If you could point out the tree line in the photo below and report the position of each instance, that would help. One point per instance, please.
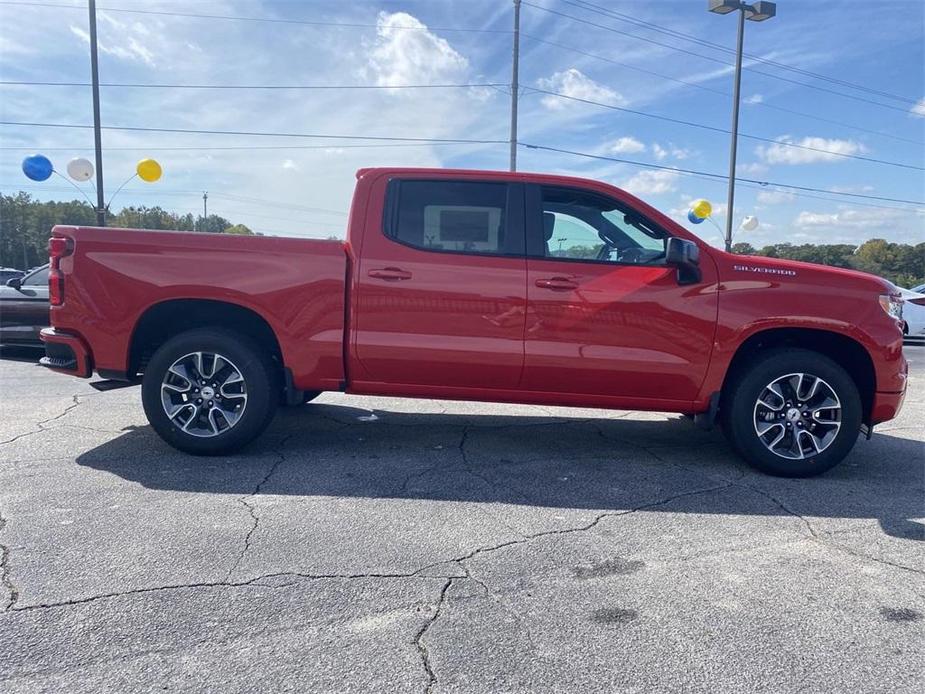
(25, 223)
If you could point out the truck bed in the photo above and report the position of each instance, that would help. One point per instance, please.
(296, 286)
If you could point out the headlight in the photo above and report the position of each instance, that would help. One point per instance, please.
(893, 305)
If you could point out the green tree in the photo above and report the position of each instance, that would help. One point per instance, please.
(239, 229)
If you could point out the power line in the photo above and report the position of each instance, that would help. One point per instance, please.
(158, 148)
(138, 85)
(270, 20)
(703, 126)
(711, 58)
(619, 16)
(249, 133)
(718, 92)
(707, 174)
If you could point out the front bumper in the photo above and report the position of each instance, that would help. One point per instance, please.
(66, 353)
(886, 406)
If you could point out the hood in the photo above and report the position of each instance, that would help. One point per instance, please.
(754, 267)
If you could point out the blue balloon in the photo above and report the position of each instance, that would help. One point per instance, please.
(37, 167)
(693, 219)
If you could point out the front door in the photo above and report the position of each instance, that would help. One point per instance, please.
(441, 286)
(606, 315)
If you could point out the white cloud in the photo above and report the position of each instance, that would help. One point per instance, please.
(291, 165)
(857, 218)
(754, 99)
(860, 188)
(919, 109)
(782, 154)
(400, 56)
(774, 197)
(752, 168)
(670, 150)
(651, 182)
(131, 49)
(627, 145)
(574, 83)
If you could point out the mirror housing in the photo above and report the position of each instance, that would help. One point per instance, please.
(14, 282)
(685, 255)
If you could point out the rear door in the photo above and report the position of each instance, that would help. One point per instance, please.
(606, 315)
(441, 297)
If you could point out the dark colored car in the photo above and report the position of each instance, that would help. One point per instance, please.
(24, 308)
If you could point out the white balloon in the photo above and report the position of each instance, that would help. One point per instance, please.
(80, 169)
(750, 223)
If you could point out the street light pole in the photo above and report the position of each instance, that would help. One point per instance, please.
(98, 141)
(756, 12)
(730, 197)
(515, 84)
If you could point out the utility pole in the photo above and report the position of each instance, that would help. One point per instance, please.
(97, 137)
(730, 198)
(205, 205)
(515, 84)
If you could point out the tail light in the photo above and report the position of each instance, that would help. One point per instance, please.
(58, 247)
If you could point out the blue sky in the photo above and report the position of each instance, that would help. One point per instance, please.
(302, 186)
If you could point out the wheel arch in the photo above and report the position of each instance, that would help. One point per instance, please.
(165, 319)
(848, 353)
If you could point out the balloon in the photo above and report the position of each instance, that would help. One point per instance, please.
(37, 167)
(148, 170)
(80, 169)
(693, 218)
(702, 208)
(750, 223)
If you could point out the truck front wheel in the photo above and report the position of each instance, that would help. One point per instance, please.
(209, 391)
(792, 413)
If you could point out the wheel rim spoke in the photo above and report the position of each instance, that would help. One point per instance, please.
(798, 415)
(203, 394)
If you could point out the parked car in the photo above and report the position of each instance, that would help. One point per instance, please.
(8, 273)
(914, 312)
(24, 308)
(477, 285)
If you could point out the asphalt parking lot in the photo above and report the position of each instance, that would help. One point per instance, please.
(380, 545)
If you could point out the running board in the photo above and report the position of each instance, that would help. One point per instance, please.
(111, 384)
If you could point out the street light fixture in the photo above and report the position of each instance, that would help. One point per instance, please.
(756, 12)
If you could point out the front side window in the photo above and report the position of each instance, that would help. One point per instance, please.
(578, 225)
(455, 216)
(37, 278)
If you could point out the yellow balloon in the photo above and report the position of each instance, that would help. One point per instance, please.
(148, 170)
(701, 208)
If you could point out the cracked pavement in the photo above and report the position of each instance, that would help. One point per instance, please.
(378, 544)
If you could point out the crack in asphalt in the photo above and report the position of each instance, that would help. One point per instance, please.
(5, 579)
(422, 632)
(251, 507)
(41, 425)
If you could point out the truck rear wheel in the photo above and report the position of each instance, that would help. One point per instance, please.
(209, 391)
(792, 413)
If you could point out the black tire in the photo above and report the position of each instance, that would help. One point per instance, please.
(742, 416)
(260, 382)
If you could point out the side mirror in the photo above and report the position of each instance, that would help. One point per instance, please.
(14, 282)
(685, 255)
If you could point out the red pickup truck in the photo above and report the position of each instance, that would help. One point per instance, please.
(477, 285)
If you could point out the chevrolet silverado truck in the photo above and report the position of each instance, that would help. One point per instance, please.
(487, 286)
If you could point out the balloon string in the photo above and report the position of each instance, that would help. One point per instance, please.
(75, 185)
(125, 183)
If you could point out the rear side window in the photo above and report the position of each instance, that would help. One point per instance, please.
(451, 216)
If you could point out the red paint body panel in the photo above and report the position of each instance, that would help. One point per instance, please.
(422, 323)
(295, 285)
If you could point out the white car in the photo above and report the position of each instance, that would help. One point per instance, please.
(914, 311)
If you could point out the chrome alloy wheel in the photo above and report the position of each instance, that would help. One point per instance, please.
(203, 394)
(797, 416)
